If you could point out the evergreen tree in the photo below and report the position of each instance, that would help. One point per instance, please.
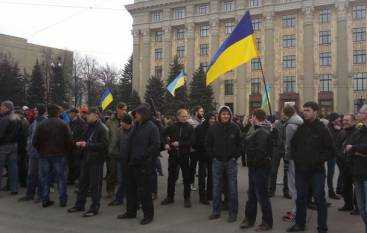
(155, 91)
(200, 94)
(133, 100)
(58, 84)
(180, 100)
(36, 92)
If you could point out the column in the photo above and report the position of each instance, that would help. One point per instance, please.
(269, 56)
(214, 44)
(190, 49)
(242, 94)
(167, 51)
(136, 61)
(145, 62)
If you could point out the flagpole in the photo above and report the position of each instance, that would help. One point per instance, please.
(266, 89)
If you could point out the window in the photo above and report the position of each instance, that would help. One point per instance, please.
(325, 16)
(254, 3)
(325, 37)
(228, 26)
(289, 84)
(360, 82)
(359, 34)
(180, 33)
(289, 41)
(180, 51)
(204, 65)
(325, 59)
(289, 61)
(228, 6)
(158, 71)
(228, 87)
(289, 21)
(255, 86)
(255, 64)
(179, 13)
(325, 83)
(359, 57)
(204, 30)
(156, 16)
(359, 12)
(256, 24)
(203, 9)
(158, 54)
(158, 36)
(258, 43)
(204, 49)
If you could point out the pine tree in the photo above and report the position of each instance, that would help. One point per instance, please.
(155, 91)
(200, 94)
(36, 92)
(133, 100)
(58, 84)
(180, 100)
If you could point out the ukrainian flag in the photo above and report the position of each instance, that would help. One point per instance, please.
(178, 82)
(106, 99)
(266, 97)
(237, 49)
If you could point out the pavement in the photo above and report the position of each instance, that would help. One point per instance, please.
(28, 217)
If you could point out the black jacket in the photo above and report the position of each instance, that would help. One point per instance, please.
(199, 141)
(184, 134)
(122, 140)
(341, 141)
(97, 143)
(10, 127)
(359, 163)
(312, 146)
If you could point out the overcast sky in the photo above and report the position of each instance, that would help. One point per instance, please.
(99, 28)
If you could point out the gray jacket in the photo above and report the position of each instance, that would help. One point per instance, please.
(291, 127)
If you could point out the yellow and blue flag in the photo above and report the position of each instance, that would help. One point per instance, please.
(237, 49)
(266, 97)
(106, 99)
(178, 82)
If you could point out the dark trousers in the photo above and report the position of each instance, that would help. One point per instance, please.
(317, 178)
(193, 165)
(74, 165)
(174, 164)
(121, 170)
(8, 156)
(91, 178)
(258, 193)
(330, 174)
(274, 173)
(205, 180)
(33, 181)
(139, 190)
(22, 167)
(111, 178)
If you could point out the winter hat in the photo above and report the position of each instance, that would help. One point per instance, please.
(8, 104)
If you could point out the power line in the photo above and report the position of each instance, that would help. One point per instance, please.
(59, 6)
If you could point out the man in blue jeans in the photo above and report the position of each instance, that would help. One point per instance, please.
(311, 147)
(52, 141)
(223, 144)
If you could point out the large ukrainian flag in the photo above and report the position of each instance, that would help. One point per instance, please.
(237, 49)
(178, 82)
(106, 99)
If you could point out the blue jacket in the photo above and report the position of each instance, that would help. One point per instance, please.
(32, 152)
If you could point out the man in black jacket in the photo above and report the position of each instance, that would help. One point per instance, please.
(95, 147)
(143, 147)
(311, 147)
(223, 143)
(179, 140)
(258, 146)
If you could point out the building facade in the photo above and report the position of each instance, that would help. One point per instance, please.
(309, 50)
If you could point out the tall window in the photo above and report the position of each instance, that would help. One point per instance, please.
(180, 33)
(228, 87)
(179, 13)
(180, 51)
(258, 43)
(228, 6)
(325, 59)
(359, 34)
(204, 49)
(204, 30)
(255, 86)
(255, 64)
(204, 65)
(325, 83)
(325, 15)
(158, 71)
(289, 61)
(289, 84)
(256, 24)
(203, 9)
(289, 41)
(158, 54)
(158, 35)
(254, 3)
(359, 12)
(289, 21)
(325, 37)
(359, 57)
(156, 16)
(360, 82)
(229, 26)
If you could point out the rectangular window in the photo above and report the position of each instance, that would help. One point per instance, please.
(255, 86)
(289, 61)
(204, 65)
(179, 13)
(256, 24)
(158, 36)
(289, 41)
(158, 71)
(229, 26)
(325, 83)
(325, 59)
(289, 21)
(360, 82)
(204, 30)
(203, 9)
(204, 49)
(158, 54)
(156, 16)
(254, 3)
(228, 6)
(258, 43)
(180, 51)
(255, 64)
(359, 57)
(359, 34)
(325, 15)
(359, 12)
(289, 84)
(180, 33)
(325, 37)
(228, 87)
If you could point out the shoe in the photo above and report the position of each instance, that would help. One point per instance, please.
(333, 195)
(296, 228)
(232, 219)
(345, 208)
(245, 224)
(286, 195)
(114, 203)
(354, 212)
(126, 216)
(90, 213)
(146, 220)
(193, 188)
(46, 204)
(214, 216)
(187, 203)
(75, 209)
(63, 204)
(167, 201)
(14, 193)
(24, 199)
(263, 227)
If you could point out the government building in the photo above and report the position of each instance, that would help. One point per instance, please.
(309, 50)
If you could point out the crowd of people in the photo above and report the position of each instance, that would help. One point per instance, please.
(71, 147)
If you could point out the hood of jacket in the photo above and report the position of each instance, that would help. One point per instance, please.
(222, 109)
(144, 111)
(295, 119)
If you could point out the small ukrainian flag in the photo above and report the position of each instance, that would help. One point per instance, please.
(178, 82)
(106, 99)
(266, 97)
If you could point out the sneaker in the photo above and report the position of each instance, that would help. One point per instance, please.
(167, 201)
(245, 224)
(146, 220)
